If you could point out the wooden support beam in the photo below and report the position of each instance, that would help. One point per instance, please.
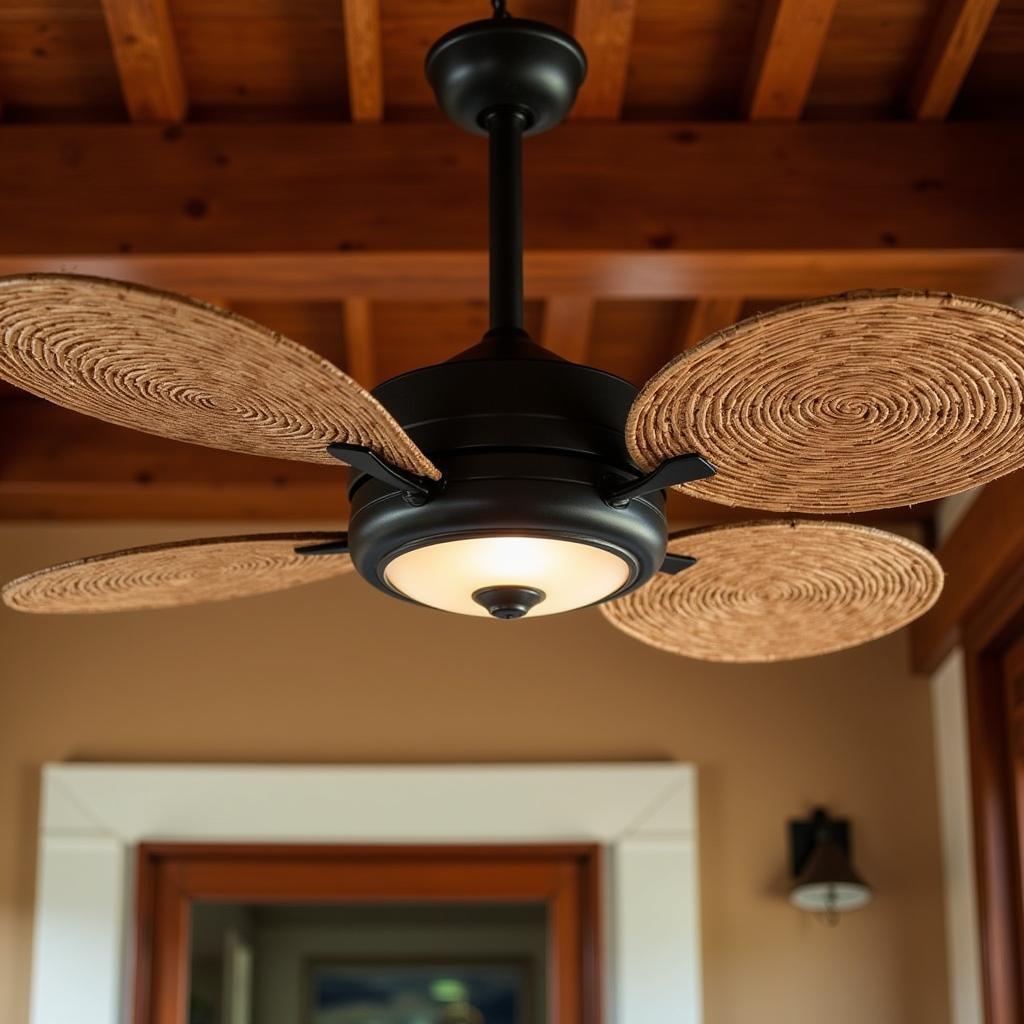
(360, 361)
(788, 44)
(447, 276)
(707, 316)
(147, 59)
(988, 542)
(958, 33)
(699, 209)
(55, 464)
(566, 330)
(364, 60)
(604, 29)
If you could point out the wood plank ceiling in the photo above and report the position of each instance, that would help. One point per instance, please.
(724, 156)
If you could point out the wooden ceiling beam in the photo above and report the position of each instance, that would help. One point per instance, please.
(360, 359)
(364, 60)
(604, 28)
(66, 466)
(146, 54)
(705, 317)
(682, 196)
(986, 544)
(455, 276)
(787, 47)
(958, 33)
(566, 326)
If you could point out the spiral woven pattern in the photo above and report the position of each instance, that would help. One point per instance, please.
(172, 366)
(863, 401)
(186, 572)
(774, 590)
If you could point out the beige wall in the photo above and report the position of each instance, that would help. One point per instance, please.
(337, 673)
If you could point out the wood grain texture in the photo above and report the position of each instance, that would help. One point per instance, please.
(360, 359)
(986, 544)
(787, 49)
(567, 322)
(868, 400)
(363, 59)
(172, 366)
(604, 28)
(706, 317)
(178, 573)
(955, 40)
(359, 189)
(148, 63)
(59, 465)
(773, 591)
(624, 274)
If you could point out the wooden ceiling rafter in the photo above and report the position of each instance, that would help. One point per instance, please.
(360, 361)
(566, 326)
(986, 544)
(364, 59)
(604, 28)
(148, 63)
(787, 48)
(705, 317)
(953, 45)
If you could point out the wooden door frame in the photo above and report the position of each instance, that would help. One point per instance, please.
(567, 878)
(987, 634)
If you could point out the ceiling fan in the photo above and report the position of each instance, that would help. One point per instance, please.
(508, 482)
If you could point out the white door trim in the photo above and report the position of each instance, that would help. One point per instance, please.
(93, 815)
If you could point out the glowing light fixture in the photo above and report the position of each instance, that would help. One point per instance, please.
(508, 577)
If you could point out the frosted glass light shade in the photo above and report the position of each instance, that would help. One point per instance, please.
(447, 575)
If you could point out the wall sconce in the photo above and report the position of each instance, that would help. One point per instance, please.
(824, 880)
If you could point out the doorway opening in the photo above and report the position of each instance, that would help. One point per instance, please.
(367, 935)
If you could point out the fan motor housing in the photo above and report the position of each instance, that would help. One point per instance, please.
(526, 446)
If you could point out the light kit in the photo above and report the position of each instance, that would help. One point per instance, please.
(511, 483)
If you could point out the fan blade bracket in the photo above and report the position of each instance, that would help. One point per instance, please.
(330, 547)
(675, 564)
(416, 490)
(681, 469)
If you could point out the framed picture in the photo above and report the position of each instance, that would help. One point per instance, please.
(418, 992)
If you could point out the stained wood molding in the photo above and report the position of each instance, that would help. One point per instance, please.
(604, 28)
(364, 59)
(954, 43)
(146, 53)
(566, 330)
(787, 48)
(707, 316)
(987, 544)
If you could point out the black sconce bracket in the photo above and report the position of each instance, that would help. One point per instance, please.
(805, 834)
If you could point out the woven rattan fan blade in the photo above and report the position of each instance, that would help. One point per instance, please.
(844, 404)
(184, 572)
(780, 589)
(172, 366)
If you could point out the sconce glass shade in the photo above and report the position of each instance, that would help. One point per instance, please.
(828, 884)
